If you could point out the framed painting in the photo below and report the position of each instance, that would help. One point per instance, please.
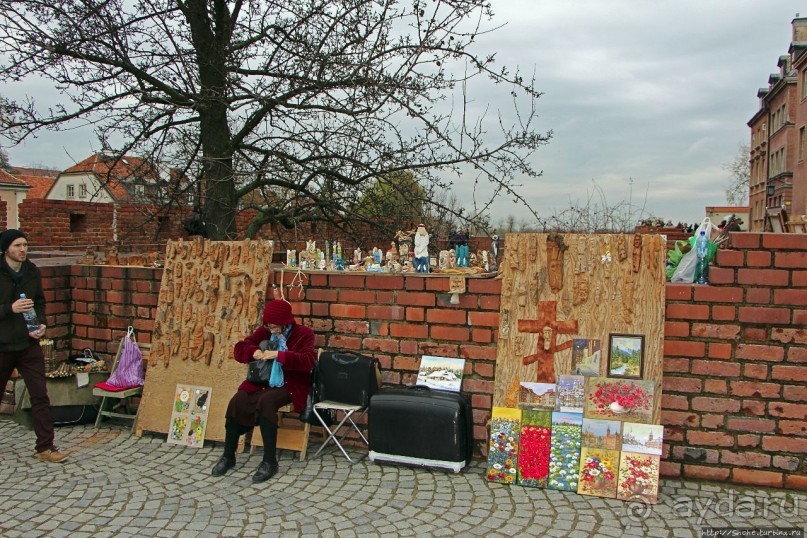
(626, 356)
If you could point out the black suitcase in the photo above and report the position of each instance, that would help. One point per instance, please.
(73, 415)
(348, 378)
(421, 426)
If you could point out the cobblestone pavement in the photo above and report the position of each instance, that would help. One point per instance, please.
(115, 484)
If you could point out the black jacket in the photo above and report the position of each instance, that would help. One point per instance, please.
(13, 331)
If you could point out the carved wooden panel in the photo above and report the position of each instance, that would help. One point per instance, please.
(558, 287)
(211, 296)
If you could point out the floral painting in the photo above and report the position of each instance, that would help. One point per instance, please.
(564, 452)
(586, 357)
(628, 400)
(533, 454)
(505, 430)
(626, 356)
(638, 478)
(537, 395)
(598, 472)
(602, 434)
(643, 438)
(571, 393)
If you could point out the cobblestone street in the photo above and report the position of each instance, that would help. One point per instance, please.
(115, 484)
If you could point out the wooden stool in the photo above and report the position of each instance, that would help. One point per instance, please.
(288, 437)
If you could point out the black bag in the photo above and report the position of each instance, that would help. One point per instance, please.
(73, 415)
(347, 377)
(307, 416)
(258, 372)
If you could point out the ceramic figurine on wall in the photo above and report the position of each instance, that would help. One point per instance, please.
(357, 257)
(494, 253)
(421, 253)
(485, 261)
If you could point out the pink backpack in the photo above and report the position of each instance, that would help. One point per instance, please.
(129, 371)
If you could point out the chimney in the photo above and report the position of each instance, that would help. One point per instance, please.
(799, 29)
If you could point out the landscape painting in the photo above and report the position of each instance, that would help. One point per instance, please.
(626, 356)
(571, 393)
(441, 373)
(605, 434)
(586, 357)
(564, 453)
(537, 395)
(642, 438)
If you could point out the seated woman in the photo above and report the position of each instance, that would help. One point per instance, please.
(258, 404)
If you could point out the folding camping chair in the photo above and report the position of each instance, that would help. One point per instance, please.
(125, 396)
(346, 381)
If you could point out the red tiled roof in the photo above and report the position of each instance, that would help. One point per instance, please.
(8, 179)
(40, 180)
(111, 170)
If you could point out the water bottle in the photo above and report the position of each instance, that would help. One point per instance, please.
(702, 250)
(30, 318)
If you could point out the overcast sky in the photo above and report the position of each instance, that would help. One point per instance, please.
(648, 95)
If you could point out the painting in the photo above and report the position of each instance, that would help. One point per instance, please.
(605, 434)
(598, 472)
(626, 356)
(638, 478)
(441, 373)
(586, 357)
(505, 431)
(537, 395)
(533, 452)
(628, 400)
(564, 452)
(191, 406)
(571, 393)
(642, 438)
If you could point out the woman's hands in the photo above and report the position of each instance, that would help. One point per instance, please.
(264, 355)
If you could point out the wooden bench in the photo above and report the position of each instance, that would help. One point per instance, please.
(290, 436)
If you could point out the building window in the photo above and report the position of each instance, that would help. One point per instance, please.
(804, 85)
(802, 141)
(82, 191)
(71, 191)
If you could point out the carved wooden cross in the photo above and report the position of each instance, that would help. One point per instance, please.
(548, 327)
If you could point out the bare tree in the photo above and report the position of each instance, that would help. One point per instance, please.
(301, 103)
(737, 191)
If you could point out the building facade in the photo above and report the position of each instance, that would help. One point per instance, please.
(778, 174)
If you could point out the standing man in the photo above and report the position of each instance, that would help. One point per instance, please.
(18, 348)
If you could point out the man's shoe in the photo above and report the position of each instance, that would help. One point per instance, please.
(51, 455)
(222, 466)
(265, 471)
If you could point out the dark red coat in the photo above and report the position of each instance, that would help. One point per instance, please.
(298, 361)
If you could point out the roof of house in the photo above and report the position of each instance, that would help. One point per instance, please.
(7, 179)
(111, 170)
(39, 179)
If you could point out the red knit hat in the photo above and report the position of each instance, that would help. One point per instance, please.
(277, 312)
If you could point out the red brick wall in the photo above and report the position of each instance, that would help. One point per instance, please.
(735, 366)
(735, 387)
(3, 215)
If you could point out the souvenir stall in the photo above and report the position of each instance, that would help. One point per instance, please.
(577, 397)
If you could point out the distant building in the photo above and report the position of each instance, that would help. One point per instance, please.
(17, 184)
(111, 178)
(778, 171)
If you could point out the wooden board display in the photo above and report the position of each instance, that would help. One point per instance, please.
(558, 288)
(211, 296)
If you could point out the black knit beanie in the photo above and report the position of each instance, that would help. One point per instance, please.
(8, 237)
